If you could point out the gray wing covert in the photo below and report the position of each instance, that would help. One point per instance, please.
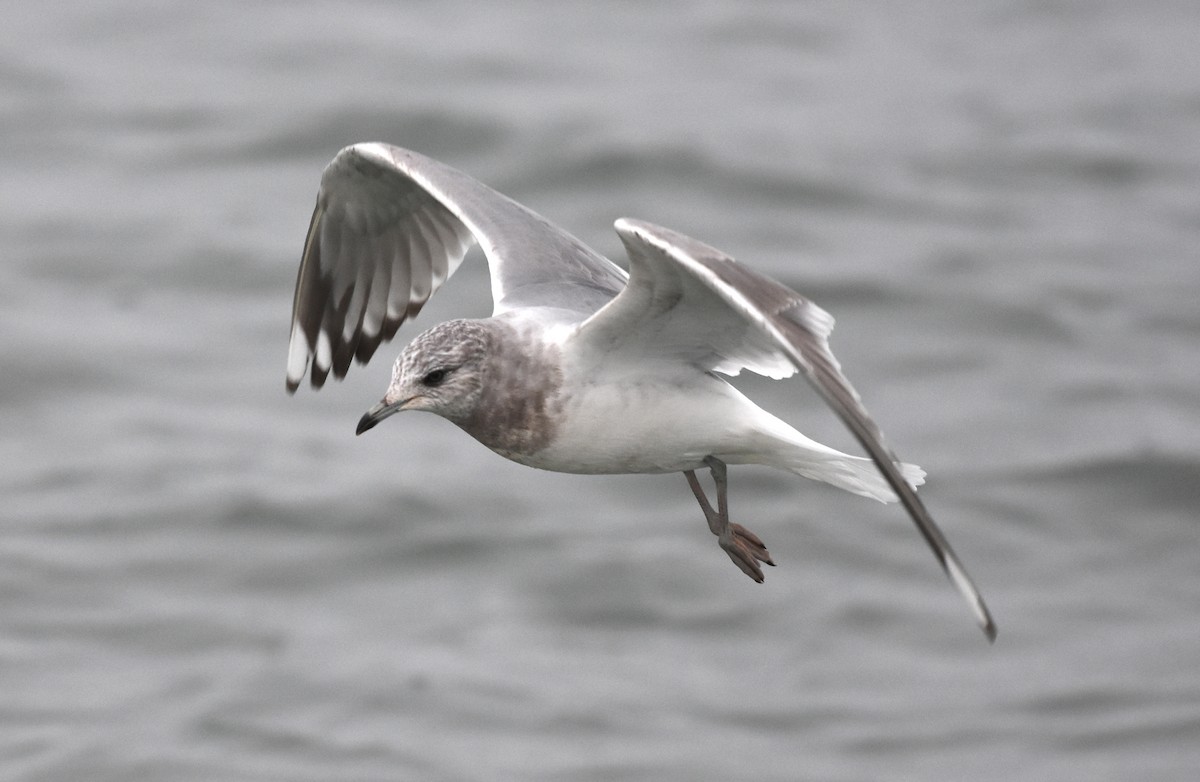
(390, 226)
(701, 305)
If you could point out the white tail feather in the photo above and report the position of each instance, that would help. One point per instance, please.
(852, 473)
(770, 441)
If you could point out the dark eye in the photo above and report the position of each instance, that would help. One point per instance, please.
(434, 377)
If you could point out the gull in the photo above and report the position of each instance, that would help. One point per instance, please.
(582, 366)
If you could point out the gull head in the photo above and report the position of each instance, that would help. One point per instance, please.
(441, 371)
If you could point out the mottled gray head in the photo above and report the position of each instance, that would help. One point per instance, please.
(441, 371)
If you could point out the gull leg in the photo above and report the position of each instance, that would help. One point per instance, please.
(742, 545)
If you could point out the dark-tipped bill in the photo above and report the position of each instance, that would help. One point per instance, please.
(377, 414)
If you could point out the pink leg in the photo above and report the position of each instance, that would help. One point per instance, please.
(742, 545)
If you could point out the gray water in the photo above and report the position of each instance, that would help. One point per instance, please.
(204, 579)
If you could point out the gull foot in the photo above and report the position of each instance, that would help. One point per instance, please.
(746, 550)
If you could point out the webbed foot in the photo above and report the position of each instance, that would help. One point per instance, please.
(746, 550)
(744, 547)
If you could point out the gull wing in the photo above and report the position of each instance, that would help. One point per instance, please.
(686, 300)
(390, 226)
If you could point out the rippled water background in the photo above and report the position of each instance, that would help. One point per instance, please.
(204, 579)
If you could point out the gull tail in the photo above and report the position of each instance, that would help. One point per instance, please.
(776, 444)
(852, 473)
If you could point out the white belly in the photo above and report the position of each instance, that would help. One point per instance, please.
(646, 427)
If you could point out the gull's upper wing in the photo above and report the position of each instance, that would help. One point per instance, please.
(390, 226)
(688, 301)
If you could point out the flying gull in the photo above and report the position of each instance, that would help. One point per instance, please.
(582, 367)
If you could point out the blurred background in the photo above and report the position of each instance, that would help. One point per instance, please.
(202, 578)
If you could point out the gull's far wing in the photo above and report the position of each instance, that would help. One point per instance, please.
(390, 226)
(688, 301)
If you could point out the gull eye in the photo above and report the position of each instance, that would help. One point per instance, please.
(434, 377)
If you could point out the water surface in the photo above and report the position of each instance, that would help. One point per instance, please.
(202, 578)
